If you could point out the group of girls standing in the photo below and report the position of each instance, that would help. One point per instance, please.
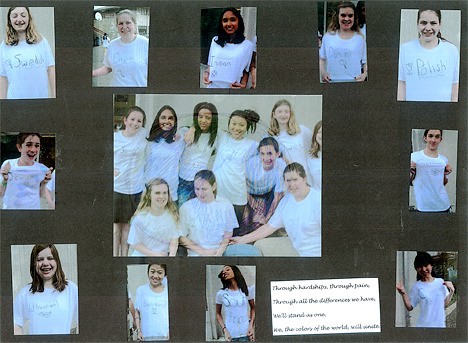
(165, 193)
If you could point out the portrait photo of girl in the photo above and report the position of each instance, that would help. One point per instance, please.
(45, 289)
(230, 296)
(124, 61)
(429, 59)
(426, 289)
(230, 34)
(25, 178)
(148, 282)
(27, 63)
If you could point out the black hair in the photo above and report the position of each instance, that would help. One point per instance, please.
(223, 37)
(162, 265)
(427, 131)
(238, 277)
(156, 133)
(214, 121)
(23, 135)
(269, 141)
(423, 259)
(251, 117)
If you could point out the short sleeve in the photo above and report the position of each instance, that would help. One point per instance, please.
(2, 67)
(219, 297)
(48, 53)
(184, 219)
(231, 219)
(322, 50)
(456, 70)
(401, 70)
(413, 296)
(276, 219)
(135, 234)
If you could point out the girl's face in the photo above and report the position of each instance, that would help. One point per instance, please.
(228, 273)
(433, 139)
(318, 137)
(346, 18)
(46, 266)
(204, 191)
(230, 23)
(156, 275)
(237, 127)
(133, 122)
(19, 19)
(269, 156)
(424, 271)
(294, 182)
(166, 120)
(159, 195)
(125, 25)
(29, 150)
(282, 114)
(205, 118)
(428, 26)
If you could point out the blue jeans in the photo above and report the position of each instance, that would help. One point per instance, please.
(242, 250)
(185, 191)
(240, 339)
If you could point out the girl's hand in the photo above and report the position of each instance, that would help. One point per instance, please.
(251, 335)
(237, 85)
(140, 336)
(206, 77)
(326, 77)
(176, 137)
(361, 77)
(450, 286)
(189, 136)
(400, 288)
(5, 170)
(116, 172)
(413, 164)
(448, 169)
(48, 175)
(227, 335)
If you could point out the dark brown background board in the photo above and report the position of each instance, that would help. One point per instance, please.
(365, 167)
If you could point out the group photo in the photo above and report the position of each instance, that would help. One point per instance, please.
(217, 175)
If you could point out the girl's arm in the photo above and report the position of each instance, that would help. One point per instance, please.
(104, 70)
(145, 251)
(251, 330)
(4, 171)
(138, 325)
(454, 97)
(51, 76)
(186, 242)
(262, 232)
(412, 172)
(451, 290)
(323, 70)
(47, 178)
(206, 76)
(222, 247)
(401, 289)
(173, 245)
(131, 308)
(3, 87)
(401, 93)
(18, 330)
(219, 318)
(362, 77)
(243, 82)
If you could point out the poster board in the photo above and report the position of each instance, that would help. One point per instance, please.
(365, 185)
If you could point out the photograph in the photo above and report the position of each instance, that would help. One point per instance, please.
(230, 303)
(201, 175)
(433, 171)
(342, 41)
(148, 302)
(27, 51)
(120, 46)
(229, 48)
(429, 58)
(45, 291)
(28, 171)
(426, 289)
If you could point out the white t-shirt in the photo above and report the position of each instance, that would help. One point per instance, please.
(431, 296)
(154, 312)
(429, 189)
(129, 161)
(315, 169)
(205, 224)
(162, 160)
(195, 157)
(154, 232)
(128, 61)
(48, 312)
(229, 167)
(296, 148)
(228, 63)
(261, 181)
(344, 57)
(24, 186)
(302, 221)
(428, 73)
(236, 310)
(25, 66)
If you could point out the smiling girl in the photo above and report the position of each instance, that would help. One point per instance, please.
(428, 67)
(127, 55)
(163, 152)
(154, 227)
(230, 53)
(129, 152)
(232, 153)
(24, 179)
(50, 303)
(343, 55)
(152, 306)
(20, 79)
